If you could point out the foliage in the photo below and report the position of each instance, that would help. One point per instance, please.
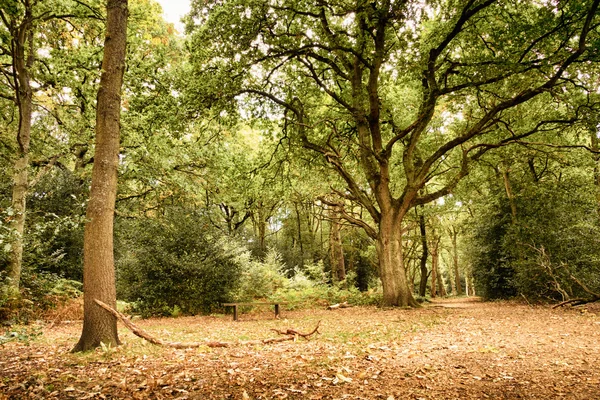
(310, 296)
(55, 224)
(310, 287)
(260, 279)
(39, 292)
(552, 244)
(24, 335)
(175, 261)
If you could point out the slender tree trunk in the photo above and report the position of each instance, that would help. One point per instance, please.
(262, 233)
(424, 255)
(435, 260)
(21, 64)
(510, 196)
(392, 267)
(98, 264)
(450, 271)
(441, 284)
(336, 250)
(596, 157)
(19, 197)
(457, 284)
(299, 228)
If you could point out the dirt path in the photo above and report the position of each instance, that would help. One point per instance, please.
(451, 349)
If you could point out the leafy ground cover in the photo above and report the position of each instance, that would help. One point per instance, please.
(450, 349)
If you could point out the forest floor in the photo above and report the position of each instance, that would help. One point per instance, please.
(450, 349)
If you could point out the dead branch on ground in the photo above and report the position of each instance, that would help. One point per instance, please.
(339, 305)
(577, 302)
(296, 333)
(291, 334)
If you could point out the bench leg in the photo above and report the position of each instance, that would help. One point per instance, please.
(276, 310)
(235, 313)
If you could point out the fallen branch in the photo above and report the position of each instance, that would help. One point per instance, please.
(296, 333)
(577, 302)
(291, 334)
(339, 305)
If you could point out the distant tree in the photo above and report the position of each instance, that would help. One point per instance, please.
(98, 268)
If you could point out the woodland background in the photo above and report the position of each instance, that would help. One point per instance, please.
(243, 174)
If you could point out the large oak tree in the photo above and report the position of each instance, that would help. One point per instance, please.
(399, 97)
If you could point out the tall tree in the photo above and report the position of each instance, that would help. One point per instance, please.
(22, 50)
(21, 43)
(396, 97)
(98, 268)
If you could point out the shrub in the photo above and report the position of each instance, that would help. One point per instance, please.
(555, 238)
(176, 264)
(260, 279)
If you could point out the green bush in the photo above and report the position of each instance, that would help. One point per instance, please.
(555, 239)
(260, 279)
(309, 288)
(175, 264)
(55, 222)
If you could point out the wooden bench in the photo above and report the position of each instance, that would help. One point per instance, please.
(256, 303)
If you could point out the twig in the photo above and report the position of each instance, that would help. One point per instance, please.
(526, 300)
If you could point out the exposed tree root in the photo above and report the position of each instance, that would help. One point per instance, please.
(291, 334)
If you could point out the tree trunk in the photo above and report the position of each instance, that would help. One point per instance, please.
(424, 255)
(336, 251)
(262, 233)
(22, 64)
(510, 196)
(299, 228)
(392, 268)
(19, 196)
(441, 284)
(100, 326)
(596, 158)
(457, 284)
(435, 260)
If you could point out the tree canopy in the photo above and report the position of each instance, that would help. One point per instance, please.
(403, 148)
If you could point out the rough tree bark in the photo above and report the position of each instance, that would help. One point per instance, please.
(392, 266)
(98, 263)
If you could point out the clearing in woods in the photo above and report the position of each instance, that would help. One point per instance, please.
(451, 349)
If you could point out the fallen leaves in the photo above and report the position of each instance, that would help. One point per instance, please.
(471, 352)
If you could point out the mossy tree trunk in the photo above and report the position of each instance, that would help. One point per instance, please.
(22, 60)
